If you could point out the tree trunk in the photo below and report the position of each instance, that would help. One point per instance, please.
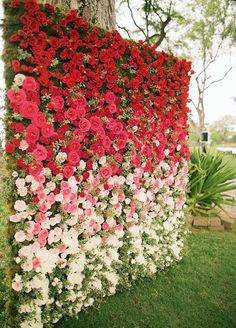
(98, 12)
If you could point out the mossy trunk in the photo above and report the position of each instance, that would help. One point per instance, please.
(98, 12)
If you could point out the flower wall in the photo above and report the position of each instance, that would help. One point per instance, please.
(96, 144)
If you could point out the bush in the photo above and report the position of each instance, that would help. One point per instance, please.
(210, 178)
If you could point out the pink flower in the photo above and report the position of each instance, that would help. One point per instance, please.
(57, 103)
(71, 114)
(16, 97)
(17, 286)
(73, 158)
(112, 108)
(20, 206)
(32, 134)
(29, 109)
(105, 172)
(105, 226)
(29, 84)
(40, 153)
(84, 125)
(35, 263)
(110, 97)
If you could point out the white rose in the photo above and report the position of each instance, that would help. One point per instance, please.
(102, 160)
(61, 157)
(20, 206)
(18, 79)
(23, 145)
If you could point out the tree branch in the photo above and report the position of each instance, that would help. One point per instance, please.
(222, 78)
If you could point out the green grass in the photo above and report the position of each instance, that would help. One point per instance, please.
(199, 292)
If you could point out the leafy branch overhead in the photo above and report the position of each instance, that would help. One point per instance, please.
(150, 20)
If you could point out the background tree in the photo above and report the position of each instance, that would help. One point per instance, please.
(98, 12)
(203, 31)
(223, 130)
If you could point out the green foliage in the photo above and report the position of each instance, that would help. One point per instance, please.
(210, 178)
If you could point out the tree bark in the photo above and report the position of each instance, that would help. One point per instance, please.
(97, 12)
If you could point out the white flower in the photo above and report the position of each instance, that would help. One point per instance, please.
(141, 196)
(20, 236)
(18, 79)
(102, 160)
(22, 191)
(166, 152)
(61, 157)
(168, 226)
(23, 145)
(82, 165)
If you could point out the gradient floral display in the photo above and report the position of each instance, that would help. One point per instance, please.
(97, 130)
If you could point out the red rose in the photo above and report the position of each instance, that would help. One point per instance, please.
(28, 109)
(105, 172)
(40, 153)
(118, 157)
(81, 102)
(110, 97)
(84, 125)
(18, 127)
(16, 97)
(15, 65)
(116, 127)
(39, 119)
(9, 147)
(86, 175)
(35, 168)
(48, 130)
(112, 108)
(29, 84)
(95, 122)
(80, 111)
(89, 165)
(32, 134)
(57, 103)
(71, 114)
(68, 171)
(73, 158)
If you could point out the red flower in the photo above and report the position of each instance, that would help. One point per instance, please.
(73, 158)
(68, 171)
(81, 102)
(57, 103)
(95, 122)
(29, 84)
(84, 125)
(28, 109)
(39, 119)
(112, 108)
(40, 153)
(110, 97)
(47, 130)
(10, 148)
(71, 114)
(16, 97)
(15, 65)
(35, 168)
(32, 134)
(105, 172)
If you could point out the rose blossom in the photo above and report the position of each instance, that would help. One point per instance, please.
(40, 153)
(29, 84)
(20, 236)
(105, 172)
(17, 286)
(110, 97)
(20, 206)
(23, 145)
(18, 79)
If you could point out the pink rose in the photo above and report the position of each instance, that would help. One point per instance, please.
(20, 236)
(112, 108)
(96, 123)
(57, 103)
(17, 286)
(81, 102)
(40, 153)
(32, 134)
(71, 114)
(29, 84)
(28, 109)
(84, 125)
(110, 97)
(105, 172)
(16, 97)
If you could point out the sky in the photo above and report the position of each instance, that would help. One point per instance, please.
(219, 97)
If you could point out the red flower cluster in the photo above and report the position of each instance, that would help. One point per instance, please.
(94, 94)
